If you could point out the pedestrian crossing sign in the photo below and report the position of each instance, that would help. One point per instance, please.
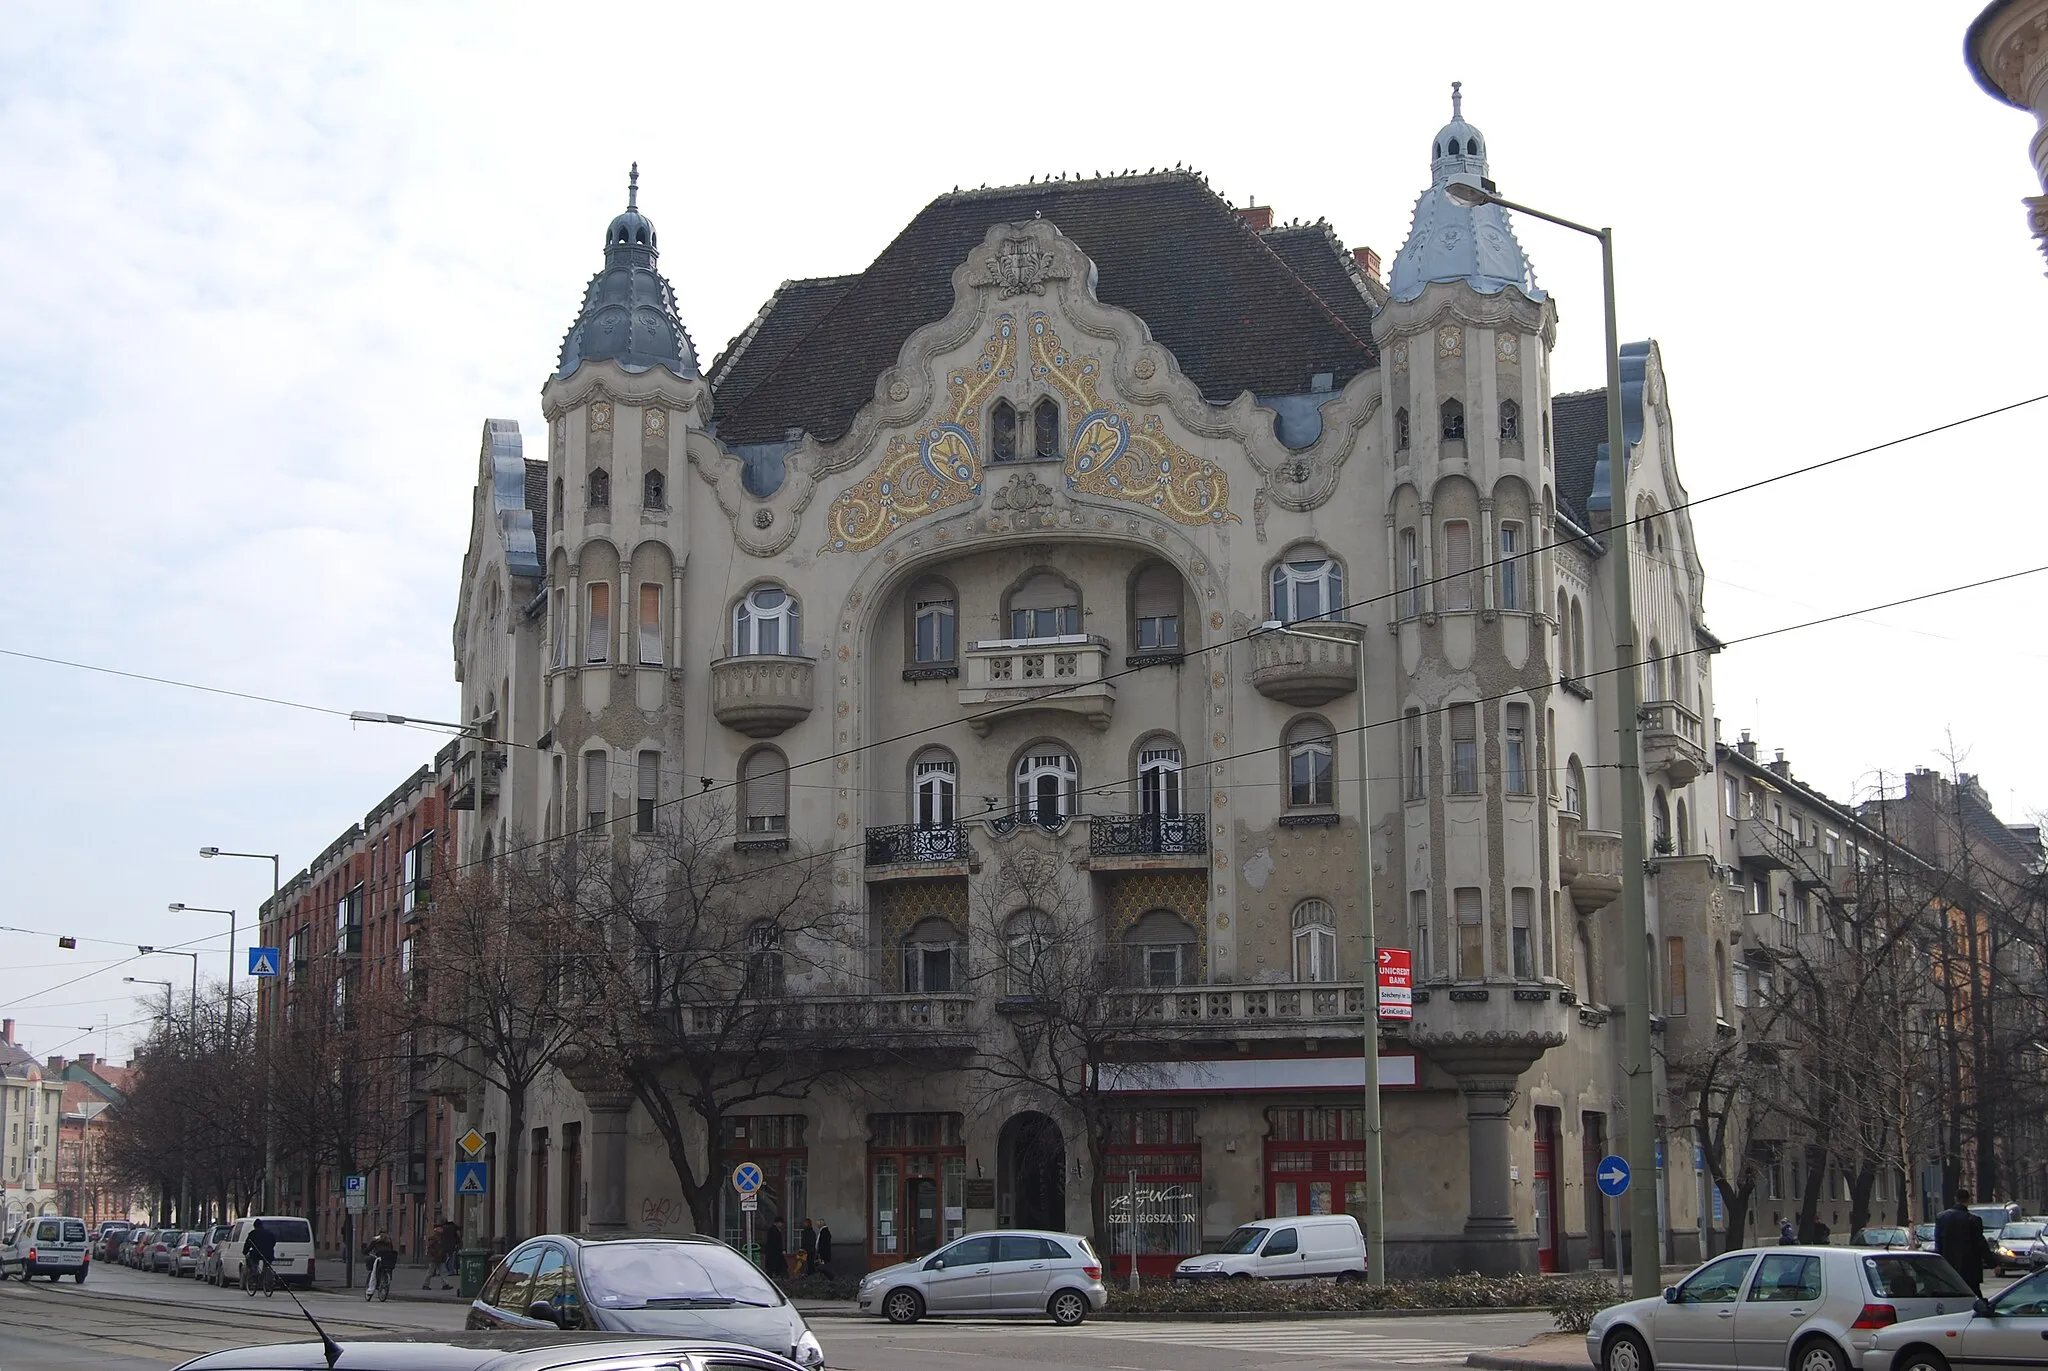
(472, 1178)
(262, 961)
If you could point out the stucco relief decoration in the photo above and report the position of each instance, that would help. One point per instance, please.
(1020, 268)
(1022, 493)
(655, 422)
(601, 416)
(939, 468)
(1112, 456)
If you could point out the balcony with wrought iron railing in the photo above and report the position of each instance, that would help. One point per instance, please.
(1061, 675)
(1674, 740)
(918, 850)
(1145, 841)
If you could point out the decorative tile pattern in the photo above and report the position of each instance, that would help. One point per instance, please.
(896, 908)
(1131, 896)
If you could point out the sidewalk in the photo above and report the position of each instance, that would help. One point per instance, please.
(1547, 1353)
(406, 1281)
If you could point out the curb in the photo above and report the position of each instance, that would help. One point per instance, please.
(1296, 1315)
(1504, 1361)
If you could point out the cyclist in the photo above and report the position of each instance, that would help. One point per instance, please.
(383, 1257)
(259, 1250)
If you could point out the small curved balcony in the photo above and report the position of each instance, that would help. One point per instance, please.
(762, 696)
(1304, 670)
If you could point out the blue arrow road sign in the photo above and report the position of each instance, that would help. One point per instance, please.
(1613, 1177)
(262, 961)
(746, 1178)
(472, 1178)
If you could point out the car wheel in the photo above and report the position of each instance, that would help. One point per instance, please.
(78, 1278)
(1068, 1308)
(1920, 1359)
(1625, 1352)
(1347, 1277)
(54, 1275)
(1818, 1354)
(902, 1306)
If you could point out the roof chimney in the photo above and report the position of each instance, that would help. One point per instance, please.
(6, 1030)
(1259, 218)
(86, 1060)
(1368, 261)
(1746, 745)
(56, 1066)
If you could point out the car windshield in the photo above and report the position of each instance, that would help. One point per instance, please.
(1884, 1237)
(1994, 1217)
(1243, 1241)
(2020, 1232)
(2025, 1298)
(672, 1275)
(1906, 1276)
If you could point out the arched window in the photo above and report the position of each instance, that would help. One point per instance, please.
(1002, 432)
(1453, 414)
(1578, 640)
(933, 620)
(1681, 836)
(654, 490)
(1564, 635)
(1472, 147)
(935, 779)
(1045, 430)
(1311, 765)
(558, 502)
(1044, 607)
(650, 624)
(1575, 787)
(1510, 422)
(934, 959)
(764, 961)
(1660, 822)
(1457, 583)
(1046, 782)
(1411, 574)
(1159, 781)
(1315, 941)
(600, 487)
(1653, 673)
(1160, 950)
(1155, 609)
(764, 792)
(1307, 584)
(1401, 434)
(1027, 948)
(765, 623)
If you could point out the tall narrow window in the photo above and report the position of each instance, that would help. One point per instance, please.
(1471, 933)
(597, 623)
(649, 794)
(1046, 782)
(936, 777)
(1464, 750)
(1515, 750)
(1457, 586)
(1159, 794)
(764, 792)
(1401, 435)
(1674, 981)
(1411, 748)
(597, 785)
(654, 491)
(1045, 430)
(1315, 941)
(1660, 822)
(1156, 608)
(934, 959)
(1575, 787)
(561, 627)
(1453, 412)
(1002, 432)
(1578, 641)
(1411, 574)
(1521, 936)
(765, 623)
(1307, 585)
(558, 502)
(1418, 933)
(1026, 938)
(1510, 422)
(933, 623)
(1311, 768)
(1510, 566)
(650, 624)
(600, 487)
(1044, 607)
(1653, 673)
(764, 961)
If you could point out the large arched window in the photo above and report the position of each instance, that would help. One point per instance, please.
(935, 781)
(1045, 429)
(934, 959)
(1681, 834)
(1401, 436)
(654, 491)
(1660, 822)
(1160, 950)
(1047, 779)
(764, 792)
(1315, 941)
(765, 623)
(1510, 422)
(934, 620)
(1044, 606)
(1311, 765)
(1155, 609)
(1453, 414)
(1002, 432)
(1027, 952)
(1307, 584)
(1578, 640)
(764, 961)
(1159, 779)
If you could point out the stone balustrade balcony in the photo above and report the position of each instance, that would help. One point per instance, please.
(1674, 740)
(1297, 669)
(1062, 675)
(762, 696)
(1317, 1009)
(1593, 858)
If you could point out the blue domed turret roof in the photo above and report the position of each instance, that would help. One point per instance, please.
(629, 311)
(1454, 242)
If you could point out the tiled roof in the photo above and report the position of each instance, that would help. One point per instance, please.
(1578, 422)
(15, 1059)
(537, 500)
(786, 320)
(1165, 247)
(1313, 254)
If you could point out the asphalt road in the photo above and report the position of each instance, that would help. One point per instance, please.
(124, 1320)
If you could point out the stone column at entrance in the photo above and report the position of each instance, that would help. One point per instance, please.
(607, 1153)
(1488, 1101)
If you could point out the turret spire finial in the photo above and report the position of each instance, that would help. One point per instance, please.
(1457, 100)
(633, 188)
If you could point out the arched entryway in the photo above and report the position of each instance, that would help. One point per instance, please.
(1031, 1174)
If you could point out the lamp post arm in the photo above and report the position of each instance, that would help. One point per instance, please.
(1489, 198)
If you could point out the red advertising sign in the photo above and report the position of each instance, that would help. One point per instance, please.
(1397, 987)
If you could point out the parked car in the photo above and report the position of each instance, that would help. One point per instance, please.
(1010, 1271)
(1883, 1237)
(209, 1253)
(690, 1286)
(138, 1242)
(499, 1352)
(1923, 1235)
(50, 1245)
(2008, 1329)
(1995, 1216)
(1806, 1308)
(293, 1255)
(185, 1252)
(1327, 1245)
(2012, 1246)
(106, 1242)
(162, 1258)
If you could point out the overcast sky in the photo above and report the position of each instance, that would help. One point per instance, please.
(265, 270)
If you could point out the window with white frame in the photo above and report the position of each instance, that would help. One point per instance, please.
(1315, 941)
(1575, 787)
(933, 623)
(647, 792)
(1160, 951)
(1311, 765)
(1159, 779)
(1045, 607)
(1464, 750)
(1047, 779)
(1471, 916)
(651, 653)
(764, 792)
(934, 959)
(1307, 584)
(1411, 574)
(1515, 750)
(936, 779)
(765, 623)
(1521, 936)
(1457, 583)
(596, 789)
(1155, 608)
(597, 622)
(1511, 566)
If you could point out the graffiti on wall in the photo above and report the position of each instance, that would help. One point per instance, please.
(657, 1215)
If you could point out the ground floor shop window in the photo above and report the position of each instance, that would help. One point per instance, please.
(917, 1179)
(775, 1143)
(1315, 1162)
(1153, 1174)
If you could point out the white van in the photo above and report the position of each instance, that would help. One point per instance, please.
(1326, 1245)
(294, 1256)
(50, 1245)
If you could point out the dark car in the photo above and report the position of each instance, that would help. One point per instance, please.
(106, 1243)
(676, 1287)
(497, 1352)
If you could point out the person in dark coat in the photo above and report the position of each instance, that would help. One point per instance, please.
(1787, 1235)
(823, 1253)
(807, 1243)
(774, 1255)
(1959, 1238)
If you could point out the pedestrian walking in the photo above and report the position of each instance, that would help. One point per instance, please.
(823, 1252)
(437, 1254)
(452, 1240)
(1787, 1235)
(1959, 1238)
(807, 1244)
(774, 1254)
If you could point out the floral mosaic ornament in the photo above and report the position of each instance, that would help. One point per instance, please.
(1113, 457)
(938, 468)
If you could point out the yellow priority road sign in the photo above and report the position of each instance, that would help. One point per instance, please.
(471, 1142)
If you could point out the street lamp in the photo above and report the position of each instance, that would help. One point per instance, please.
(147, 951)
(276, 885)
(140, 980)
(181, 908)
(1375, 1214)
(1637, 1065)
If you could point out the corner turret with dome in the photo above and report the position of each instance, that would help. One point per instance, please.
(1454, 242)
(629, 311)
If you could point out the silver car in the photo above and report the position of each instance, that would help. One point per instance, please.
(1012, 1271)
(2008, 1330)
(1803, 1308)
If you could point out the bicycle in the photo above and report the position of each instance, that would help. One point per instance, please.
(379, 1287)
(267, 1280)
